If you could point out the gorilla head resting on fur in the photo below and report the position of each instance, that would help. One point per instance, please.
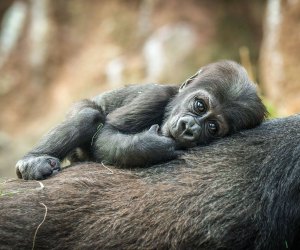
(142, 125)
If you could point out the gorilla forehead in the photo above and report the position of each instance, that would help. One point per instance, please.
(226, 80)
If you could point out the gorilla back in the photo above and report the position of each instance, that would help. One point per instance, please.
(241, 192)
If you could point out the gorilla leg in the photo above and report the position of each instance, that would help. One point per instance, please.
(75, 131)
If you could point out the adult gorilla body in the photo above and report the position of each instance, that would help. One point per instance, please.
(241, 192)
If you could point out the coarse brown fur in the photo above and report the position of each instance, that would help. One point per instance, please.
(241, 192)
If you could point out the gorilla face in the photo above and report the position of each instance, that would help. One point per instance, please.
(218, 100)
(196, 119)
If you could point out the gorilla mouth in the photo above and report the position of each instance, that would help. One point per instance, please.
(182, 135)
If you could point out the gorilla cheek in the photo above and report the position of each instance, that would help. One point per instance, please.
(169, 126)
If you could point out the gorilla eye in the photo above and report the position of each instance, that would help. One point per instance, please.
(199, 106)
(213, 127)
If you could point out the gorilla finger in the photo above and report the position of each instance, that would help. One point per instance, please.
(154, 128)
(54, 163)
(18, 173)
(44, 172)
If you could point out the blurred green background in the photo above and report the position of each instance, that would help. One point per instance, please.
(53, 53)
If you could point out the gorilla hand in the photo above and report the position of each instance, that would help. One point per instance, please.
(37, 167)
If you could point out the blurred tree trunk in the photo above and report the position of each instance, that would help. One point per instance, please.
(13, 17)
(280, 60)
(39, 39)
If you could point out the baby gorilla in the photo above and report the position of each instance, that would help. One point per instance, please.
(141, 125)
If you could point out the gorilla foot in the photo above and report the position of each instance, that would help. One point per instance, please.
(37, 167)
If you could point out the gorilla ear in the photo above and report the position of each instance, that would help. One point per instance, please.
(188, 81)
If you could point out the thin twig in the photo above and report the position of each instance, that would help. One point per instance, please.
(45, 215)
(111, 172)
(41, 186)
(97, 132)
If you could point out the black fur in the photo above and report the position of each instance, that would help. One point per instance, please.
(122, 127)
(238, 193)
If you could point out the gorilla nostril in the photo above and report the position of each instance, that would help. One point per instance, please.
(188, 133)
(182, 125)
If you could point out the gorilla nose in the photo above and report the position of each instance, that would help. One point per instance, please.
(188, 129)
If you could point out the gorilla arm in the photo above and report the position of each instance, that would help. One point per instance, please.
(130, 110)
(126, 140)
(75, 131)
(133, 150)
